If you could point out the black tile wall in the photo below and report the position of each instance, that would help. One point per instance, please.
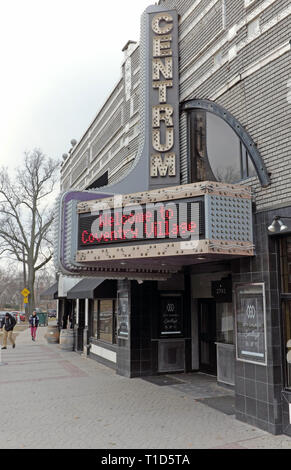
(240, 369)
(240, 386)
(262, 410)
(240, 404)
(251, 407)
(261, 391)
(250, 388)
(258, 388)
(261, 374)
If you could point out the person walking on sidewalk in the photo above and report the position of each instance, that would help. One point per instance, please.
(8, 323)
(33, 321)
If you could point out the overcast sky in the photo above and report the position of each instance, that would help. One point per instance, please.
(59, 61)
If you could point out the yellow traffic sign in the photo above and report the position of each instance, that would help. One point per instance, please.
(25, 300)
(25, 292)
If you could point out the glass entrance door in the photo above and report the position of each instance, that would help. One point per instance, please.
(207, 337)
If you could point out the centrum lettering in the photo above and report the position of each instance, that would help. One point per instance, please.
(163, 136)
(158, 19)
(164, 67)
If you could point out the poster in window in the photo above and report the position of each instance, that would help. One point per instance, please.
(251, 323)
(171, 316)
(122, 315)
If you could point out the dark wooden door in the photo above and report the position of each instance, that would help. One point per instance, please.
(207, 337)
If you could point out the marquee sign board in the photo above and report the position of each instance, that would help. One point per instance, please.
(250, 310)
(142, 223)
(151, 232)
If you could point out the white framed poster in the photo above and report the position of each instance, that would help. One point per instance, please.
(250, 323)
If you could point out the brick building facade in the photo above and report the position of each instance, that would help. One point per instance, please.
(232, 118)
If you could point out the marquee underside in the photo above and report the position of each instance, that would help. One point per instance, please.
(161, 259)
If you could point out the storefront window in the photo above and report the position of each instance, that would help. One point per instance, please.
(287, 339)
(107, 321)
(224, 323)
(285, 263)
(217, 153)
(95, 319)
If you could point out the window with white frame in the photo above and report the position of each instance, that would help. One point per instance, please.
(217, 59)
(254, 28)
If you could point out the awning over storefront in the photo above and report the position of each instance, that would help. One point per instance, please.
(50, 293)
(85, 289)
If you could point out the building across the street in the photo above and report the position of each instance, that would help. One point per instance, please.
(173, 226)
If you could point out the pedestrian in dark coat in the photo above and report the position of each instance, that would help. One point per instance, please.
(8, 323)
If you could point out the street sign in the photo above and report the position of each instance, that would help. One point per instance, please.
(25, 300)
(25, 292)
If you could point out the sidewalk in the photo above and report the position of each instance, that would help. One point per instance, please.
(24, 337)
(62, 400)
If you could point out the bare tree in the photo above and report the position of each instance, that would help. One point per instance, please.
(44, 278)
(26, 215)
(10, 280)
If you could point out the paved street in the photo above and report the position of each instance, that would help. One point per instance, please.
(55, 399)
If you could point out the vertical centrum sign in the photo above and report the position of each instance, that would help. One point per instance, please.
(164, 99)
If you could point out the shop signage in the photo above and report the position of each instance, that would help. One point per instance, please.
(146, 222)
(251, 323)
(222, 290)
(171, 315)
(164, 99)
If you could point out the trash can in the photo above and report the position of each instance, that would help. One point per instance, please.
(43, 319)
(52, 335)
(67, 339)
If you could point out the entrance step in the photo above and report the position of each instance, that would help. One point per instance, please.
(224, 404)
(201, 387)
(162, 380)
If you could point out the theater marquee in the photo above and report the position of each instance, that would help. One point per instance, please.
(152, 233)
(175, 220)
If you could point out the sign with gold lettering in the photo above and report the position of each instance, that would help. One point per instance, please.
(164, 99)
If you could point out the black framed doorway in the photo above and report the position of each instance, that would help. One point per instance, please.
(207, 336)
